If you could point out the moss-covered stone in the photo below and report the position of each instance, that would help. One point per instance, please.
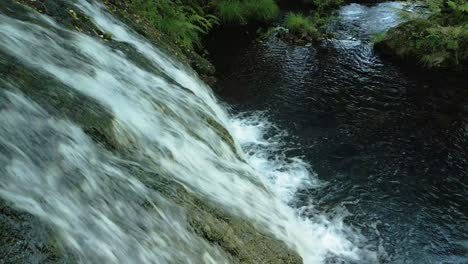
(61, 101)
(393, 42)
(240, 239)
(427, 43)
(25, 239)
(66, 14)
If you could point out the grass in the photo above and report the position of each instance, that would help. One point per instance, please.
(232, 12)
(300, 24)
(240, 12)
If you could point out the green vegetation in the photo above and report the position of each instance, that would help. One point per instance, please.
(240, 12)
(182, 23)
(438, 41)
(323, 6)
(178, 26)
(185, 21)
(305, 28)
(300, 25)
(379, 37)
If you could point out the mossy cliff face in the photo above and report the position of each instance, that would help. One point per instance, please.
(26, 239)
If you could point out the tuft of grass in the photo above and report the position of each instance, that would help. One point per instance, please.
(232, 12)
(240, 12)
(300, 25)
(263, 10)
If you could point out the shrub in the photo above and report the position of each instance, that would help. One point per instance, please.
(263, 10)
(232, 12)
(443, 45)
(300, 25)
(181, 23)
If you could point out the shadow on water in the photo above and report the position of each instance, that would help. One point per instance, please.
(390, 143)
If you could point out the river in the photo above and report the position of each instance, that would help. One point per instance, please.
(112, 151)
(388, 144)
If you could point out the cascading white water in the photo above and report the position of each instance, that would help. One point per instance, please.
(168, 118)
(54, 171)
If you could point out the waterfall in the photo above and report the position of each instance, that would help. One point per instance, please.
(165, 123)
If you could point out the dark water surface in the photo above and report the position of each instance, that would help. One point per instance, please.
(391, 145)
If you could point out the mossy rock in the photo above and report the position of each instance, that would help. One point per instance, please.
(425, 43)
(62, 101)
(400, 42)
(300, 38)
(240, 239)
(66, 14)
(25, 239)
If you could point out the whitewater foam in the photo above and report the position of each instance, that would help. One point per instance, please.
(172, 131)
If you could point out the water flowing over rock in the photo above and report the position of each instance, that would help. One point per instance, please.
(113, 152)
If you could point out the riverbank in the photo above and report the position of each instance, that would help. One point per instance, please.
(434, 38)
(389, 145)
(183, 27)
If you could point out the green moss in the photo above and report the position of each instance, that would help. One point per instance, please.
(430, 44)
(300, 29)
(439, 41)
(241, 240)
(379, 37)
(61, 101)
(223, 133)
(63, 12)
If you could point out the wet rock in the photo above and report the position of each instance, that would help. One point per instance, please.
(25, 239)
(237, 237)
(241, 240)
(62, 101)
(299, 38)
